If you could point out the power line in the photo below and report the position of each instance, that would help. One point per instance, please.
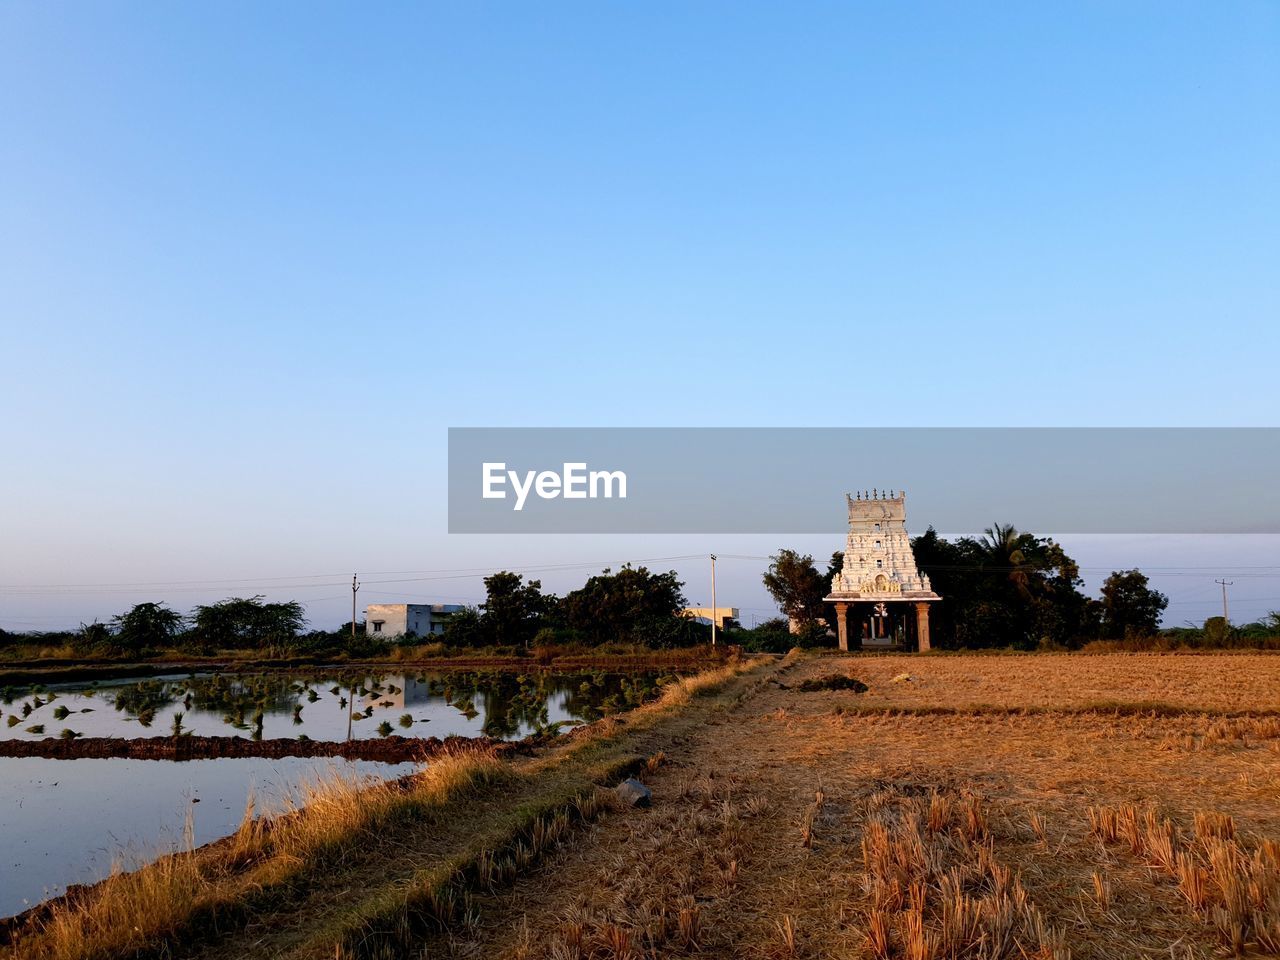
(411, 576)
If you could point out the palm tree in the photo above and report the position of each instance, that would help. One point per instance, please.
(1006, 549)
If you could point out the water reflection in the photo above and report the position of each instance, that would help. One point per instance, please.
(71, 821)
(323, 706)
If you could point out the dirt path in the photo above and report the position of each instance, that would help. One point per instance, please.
(310, 919)
(753, 845)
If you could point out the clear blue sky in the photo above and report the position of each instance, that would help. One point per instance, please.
(244, 245)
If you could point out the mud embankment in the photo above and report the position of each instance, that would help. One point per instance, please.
(391, 749)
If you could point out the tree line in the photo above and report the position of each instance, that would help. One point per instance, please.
(1012, 589)
(1005, 589)
(633, 606)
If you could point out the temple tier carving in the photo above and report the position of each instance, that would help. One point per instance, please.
(878, 561)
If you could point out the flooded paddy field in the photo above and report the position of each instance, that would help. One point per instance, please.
(329, 706)
(70, 821)
(65, 821)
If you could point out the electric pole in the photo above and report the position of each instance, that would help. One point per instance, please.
(351, 691)
(355, 588)
(1226, 620)
(713, 599)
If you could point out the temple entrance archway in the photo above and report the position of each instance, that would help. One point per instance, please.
(880, 598)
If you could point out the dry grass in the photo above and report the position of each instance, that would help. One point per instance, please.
(933, 819)
(935, 887)
(1231, 884)
(1213, 682)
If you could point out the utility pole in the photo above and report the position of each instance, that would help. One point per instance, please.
(351, 691)
(713, 599)
(1226, 620)
(355, 588)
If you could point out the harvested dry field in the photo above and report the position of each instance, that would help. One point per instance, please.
(1082, 806)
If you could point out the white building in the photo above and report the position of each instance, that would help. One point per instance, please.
(396, 619)
(705, 615)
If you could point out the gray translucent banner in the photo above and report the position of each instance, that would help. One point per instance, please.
(794, 480)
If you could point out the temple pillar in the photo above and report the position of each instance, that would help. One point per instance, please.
(922, 627)
(842, 624)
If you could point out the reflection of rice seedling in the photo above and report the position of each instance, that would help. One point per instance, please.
(384, 729)
(37, 728)
(312, 696)
(68, 734)
(14, 720)
(60, 712)
(146, 716)
(297, 714)
(26, 709)
(407, 720)
(335, 689)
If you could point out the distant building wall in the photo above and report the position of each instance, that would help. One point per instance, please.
(396, 619)
(705, 614)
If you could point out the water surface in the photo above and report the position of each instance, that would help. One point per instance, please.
(321, 706)
(69, 821)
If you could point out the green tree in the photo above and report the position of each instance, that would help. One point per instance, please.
(772, 636)
(1006, 588)
(463, 629)
(1008, 550)
(1216, 632)
(93, 638)
(147, 626)
(513, 610)
(1129, 606)
(244, 624)
(633, 605)
(797, 587)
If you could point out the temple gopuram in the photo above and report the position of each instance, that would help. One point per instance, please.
(879, 591)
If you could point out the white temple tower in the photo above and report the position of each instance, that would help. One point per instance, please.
(879, 569)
